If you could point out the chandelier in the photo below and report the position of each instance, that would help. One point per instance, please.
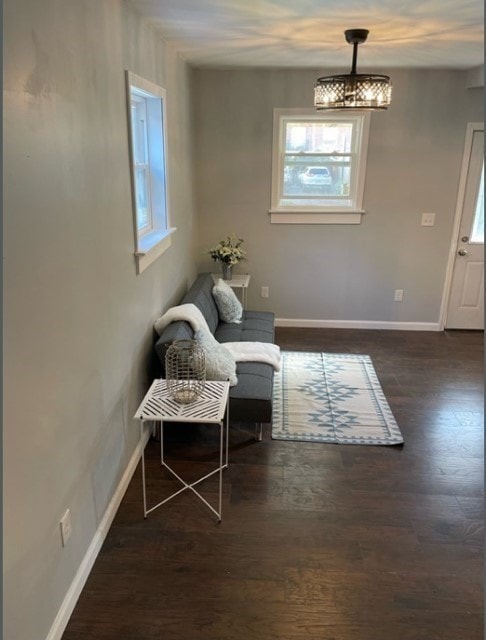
(355, 90)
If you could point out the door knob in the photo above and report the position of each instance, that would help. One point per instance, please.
(465, 239)
(462, 252)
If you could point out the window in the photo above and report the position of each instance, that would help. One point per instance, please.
(477, 233)
(318, 167)
(148, 152)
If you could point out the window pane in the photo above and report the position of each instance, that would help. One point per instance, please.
(139, 130)
(315, 137)
(142, 198)
(135, 142)
(477, 234)
(317, 176)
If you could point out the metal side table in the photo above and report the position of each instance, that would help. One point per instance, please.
(210, 408)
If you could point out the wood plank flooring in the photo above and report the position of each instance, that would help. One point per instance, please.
(318, 542)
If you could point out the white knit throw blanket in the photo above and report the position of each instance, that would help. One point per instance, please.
(188, 312)
(241, 351)
(255, 352)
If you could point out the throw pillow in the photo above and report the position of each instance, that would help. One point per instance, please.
(220, 363)
(229, 307)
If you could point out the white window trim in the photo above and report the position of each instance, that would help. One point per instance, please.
(149, 245)
(315, 215)
(152, 245)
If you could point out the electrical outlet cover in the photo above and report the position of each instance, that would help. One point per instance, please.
(428, 219)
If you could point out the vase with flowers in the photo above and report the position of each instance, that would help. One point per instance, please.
(228, 252)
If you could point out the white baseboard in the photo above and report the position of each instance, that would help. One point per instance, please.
(357, 324)
(88, 561)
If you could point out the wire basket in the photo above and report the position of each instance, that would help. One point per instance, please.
(185, 370)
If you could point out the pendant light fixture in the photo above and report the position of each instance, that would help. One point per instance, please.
(355, 90)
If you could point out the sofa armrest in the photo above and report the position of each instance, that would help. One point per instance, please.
(179, 330)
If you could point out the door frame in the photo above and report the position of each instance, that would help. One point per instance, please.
(471, 128)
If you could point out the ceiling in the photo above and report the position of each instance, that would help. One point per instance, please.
(309, 33)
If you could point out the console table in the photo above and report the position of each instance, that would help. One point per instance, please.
(210, 407)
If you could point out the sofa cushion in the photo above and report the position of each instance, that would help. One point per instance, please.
(256, 326)
(251, 399)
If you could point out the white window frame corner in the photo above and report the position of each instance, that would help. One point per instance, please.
(152, 244)
(316, 215)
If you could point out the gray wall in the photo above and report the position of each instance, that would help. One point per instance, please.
(78, 321)
(333, 272)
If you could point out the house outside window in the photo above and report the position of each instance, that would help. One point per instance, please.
(318, 168)
(147, 125)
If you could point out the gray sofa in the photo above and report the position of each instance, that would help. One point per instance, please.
(251, 398)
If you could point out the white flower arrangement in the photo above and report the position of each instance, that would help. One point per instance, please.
(228, 251)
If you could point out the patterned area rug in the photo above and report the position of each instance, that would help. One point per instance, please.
(327, 397)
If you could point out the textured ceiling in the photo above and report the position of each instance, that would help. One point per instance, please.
(309, 33)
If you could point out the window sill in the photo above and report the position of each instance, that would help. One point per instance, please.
(151, 247)
(315, 217)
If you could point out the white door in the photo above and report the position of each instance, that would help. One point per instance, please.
(466, 299)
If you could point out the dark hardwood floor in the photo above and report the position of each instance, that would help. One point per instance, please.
(318, 541)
